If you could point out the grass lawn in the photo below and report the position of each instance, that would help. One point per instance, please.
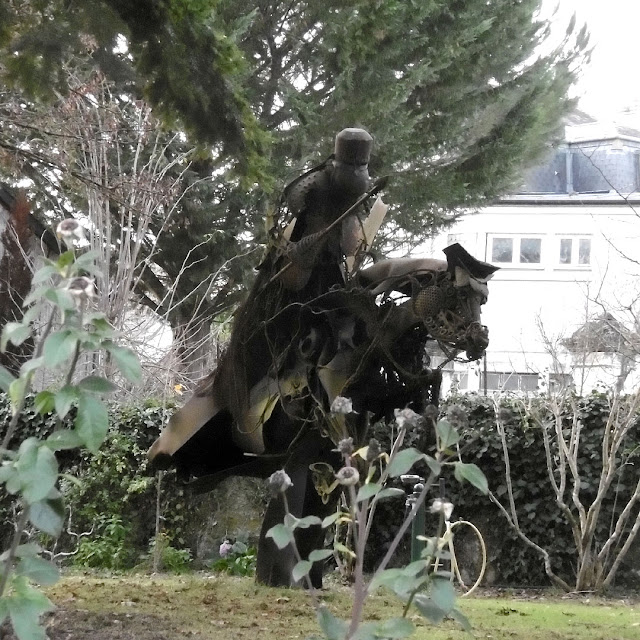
(225, 608)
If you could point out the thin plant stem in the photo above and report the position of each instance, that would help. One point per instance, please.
(294, 546)
(404, 526)
(15, 543)
(21, 400)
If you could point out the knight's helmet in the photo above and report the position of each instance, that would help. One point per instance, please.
(350, 166)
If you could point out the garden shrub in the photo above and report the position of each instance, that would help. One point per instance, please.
(110, 489)
(515, 563)
(116, 490)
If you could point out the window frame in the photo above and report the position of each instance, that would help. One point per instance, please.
(517, 239)
(575, 252)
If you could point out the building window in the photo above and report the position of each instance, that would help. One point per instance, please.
(575, 252)
(511, 381)
(516, 250)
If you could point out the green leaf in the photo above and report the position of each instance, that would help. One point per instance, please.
(17, 389)
(25, 609)
(329, 520)
(14, 332)
(428, 608)
(368, 491)
(448, 435)
(301, 569)
(97, 384)
(87, 262)
(405, 585)
(29, 549)
(367, 631)
(472, 474)
(320, 554)
(44, 274)
(385, 577)
(38, 469)
(442, 593)
(127, 361)
(6, 378)
(38, 570)
(60, 298)
(31, 365)
(65, 259)
(308, 521)
(461, 619)
(44, 402)
(391, 492)
(48, 515)
(332, 627)
(395, 628)
(403, 461)
(36, 294)
(64, 399)
(92, 422)
(59, 347)
(414, 568)
(434, 466)
(63, 439)
(281, 535)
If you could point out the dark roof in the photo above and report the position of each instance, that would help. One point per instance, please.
(605, 334)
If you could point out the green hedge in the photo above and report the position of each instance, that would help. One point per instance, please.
(539, 515)
(113, 491)
(118, 495)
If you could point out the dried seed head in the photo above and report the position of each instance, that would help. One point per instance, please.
(442, 506)
(457, 416)
(345, 446)
(373, 450)
(348, 476)
(431, 412)
(341, 405)
(406, 418)
(82, 288)
(70, 230)
(278, 482)
(225, 548)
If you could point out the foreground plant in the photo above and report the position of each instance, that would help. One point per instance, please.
(363, 480)
(63, 295)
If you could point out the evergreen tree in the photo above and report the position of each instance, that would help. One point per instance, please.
(167, 50)
(454, 92)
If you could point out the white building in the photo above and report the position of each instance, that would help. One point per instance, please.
(568, 244)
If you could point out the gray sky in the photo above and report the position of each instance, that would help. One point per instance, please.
(612, 81)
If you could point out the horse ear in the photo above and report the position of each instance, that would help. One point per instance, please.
(458, 256)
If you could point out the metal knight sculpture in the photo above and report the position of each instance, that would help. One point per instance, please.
(314, 326)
